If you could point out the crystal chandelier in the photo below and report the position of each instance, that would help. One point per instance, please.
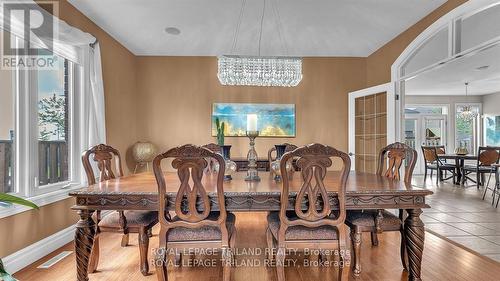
(259, 70)
(466, 111)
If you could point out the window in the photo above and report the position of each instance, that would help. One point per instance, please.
(7, 127)
(467, 132)
(39, 113)
(492, 130)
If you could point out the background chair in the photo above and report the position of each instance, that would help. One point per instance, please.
(125, 222)
(194, 224)
(393, 157)
(311, 228)
(487, 156)
(211, 161)
(432, 162)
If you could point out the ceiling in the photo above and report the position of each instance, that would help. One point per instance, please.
(207, 28)
(449, 79)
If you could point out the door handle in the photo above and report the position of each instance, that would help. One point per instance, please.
(351, 154)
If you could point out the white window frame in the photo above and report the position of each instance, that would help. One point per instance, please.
(25, 178)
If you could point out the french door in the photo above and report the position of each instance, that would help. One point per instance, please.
(425, 130)
(371, 125)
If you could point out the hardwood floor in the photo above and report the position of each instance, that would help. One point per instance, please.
(442, 261)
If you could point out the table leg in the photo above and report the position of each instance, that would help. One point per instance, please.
(458, 170)
(84, 240)
(415, 234)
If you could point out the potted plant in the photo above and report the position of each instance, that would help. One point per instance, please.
(10, 199)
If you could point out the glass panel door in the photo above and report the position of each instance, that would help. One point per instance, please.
(370, 130)
(434, 130)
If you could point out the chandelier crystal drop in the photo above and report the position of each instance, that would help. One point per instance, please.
(260, 71)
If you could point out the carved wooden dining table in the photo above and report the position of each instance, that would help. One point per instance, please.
(139, 192)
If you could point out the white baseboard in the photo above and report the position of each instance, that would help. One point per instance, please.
(26, 256)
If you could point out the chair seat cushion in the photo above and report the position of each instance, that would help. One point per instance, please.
(134, 219)
(204, 233)
(367, 218)
(431, 166)
(482, 169)
(299, 232)
(447, 166)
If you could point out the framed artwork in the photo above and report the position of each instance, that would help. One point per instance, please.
(492, 130)
(273, 120)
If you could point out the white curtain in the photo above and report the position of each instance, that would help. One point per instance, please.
(81, 48)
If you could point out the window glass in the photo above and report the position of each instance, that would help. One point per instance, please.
(480, 27)
(492, 130)
(53, 130)
(466, 132)
(7, 126)
(434, 50)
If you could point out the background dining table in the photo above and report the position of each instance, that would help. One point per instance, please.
(459, 163)
(140, 192)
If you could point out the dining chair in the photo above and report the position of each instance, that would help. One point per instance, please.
(391, 159)
(312, 223)
(195, 225)
(271, 158)
(211, 161)
(125, 222)
(432, 162)
(486, 157)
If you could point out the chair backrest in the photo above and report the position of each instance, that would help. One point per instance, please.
(430, 154)
(394, 155)
(488, 155)
(192, 204)
(102, 154)
(213, 147)
(312, 204)
(289, 147)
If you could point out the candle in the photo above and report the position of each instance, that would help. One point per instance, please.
(251, 122)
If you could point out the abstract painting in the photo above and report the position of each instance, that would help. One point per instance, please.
(273, 120)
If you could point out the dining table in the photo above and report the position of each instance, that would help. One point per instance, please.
(140, 192)
(459, 160)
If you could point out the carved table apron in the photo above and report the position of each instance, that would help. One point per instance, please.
(139, 192)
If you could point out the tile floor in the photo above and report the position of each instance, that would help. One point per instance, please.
(459, 214)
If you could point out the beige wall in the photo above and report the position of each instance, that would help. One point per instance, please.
(379, 63)
(118, 64)
(177, 94)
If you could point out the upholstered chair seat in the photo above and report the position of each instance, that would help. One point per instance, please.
(204, 233)
(135, 219)
(300, 232)
(368, 218)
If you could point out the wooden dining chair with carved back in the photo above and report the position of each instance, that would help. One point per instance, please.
(391, 159)
(312, 223)
(271, 157)
(487, 156)
(195, 224)
(125, 222)
(211, 166)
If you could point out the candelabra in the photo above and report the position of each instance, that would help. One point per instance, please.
(252, 174)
